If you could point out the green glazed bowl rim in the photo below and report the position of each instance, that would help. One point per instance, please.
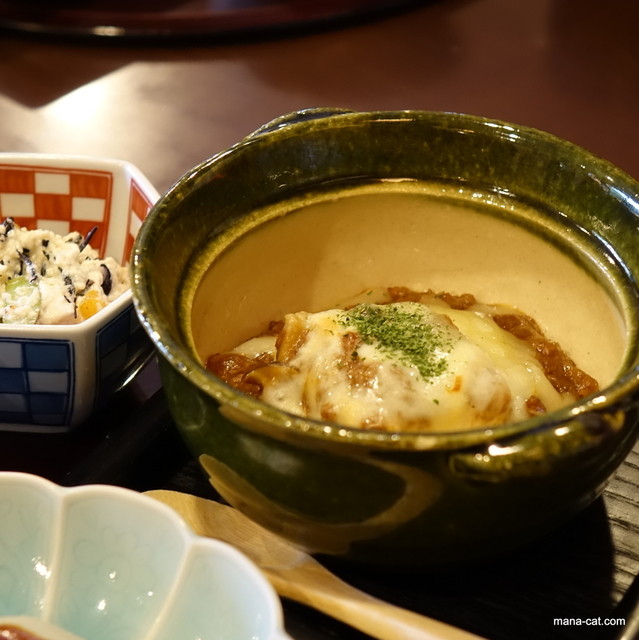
(622, 392)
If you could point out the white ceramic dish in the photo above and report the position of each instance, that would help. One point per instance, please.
(52, 378)
(104, 562)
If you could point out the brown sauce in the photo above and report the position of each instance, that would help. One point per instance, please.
(561, 370)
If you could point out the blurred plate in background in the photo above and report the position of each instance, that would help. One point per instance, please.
(174, 18)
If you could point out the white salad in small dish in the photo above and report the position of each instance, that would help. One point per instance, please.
(46, 278)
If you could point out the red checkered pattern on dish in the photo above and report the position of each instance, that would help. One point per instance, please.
(138, 208)
(57, 199)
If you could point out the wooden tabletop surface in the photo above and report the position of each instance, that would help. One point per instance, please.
(570, 67)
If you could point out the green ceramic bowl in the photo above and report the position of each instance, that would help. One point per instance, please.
(549, 228)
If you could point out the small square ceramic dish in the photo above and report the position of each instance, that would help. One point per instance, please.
(104, 562)
(53, 377)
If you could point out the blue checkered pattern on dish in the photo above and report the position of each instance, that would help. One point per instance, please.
(36, 381)
(122, 347)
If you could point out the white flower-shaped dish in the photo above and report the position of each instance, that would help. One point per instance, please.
(52, 378)
(104, 562)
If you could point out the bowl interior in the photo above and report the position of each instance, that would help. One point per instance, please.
(422, 236)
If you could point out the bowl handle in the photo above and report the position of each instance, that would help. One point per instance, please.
(539, 451)
(295, 117)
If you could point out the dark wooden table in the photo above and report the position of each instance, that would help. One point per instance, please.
(165, 103)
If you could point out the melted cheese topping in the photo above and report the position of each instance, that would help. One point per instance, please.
(399, 366)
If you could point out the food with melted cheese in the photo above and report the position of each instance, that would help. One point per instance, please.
(410, 362)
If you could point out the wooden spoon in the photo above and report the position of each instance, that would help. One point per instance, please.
(296, 575)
